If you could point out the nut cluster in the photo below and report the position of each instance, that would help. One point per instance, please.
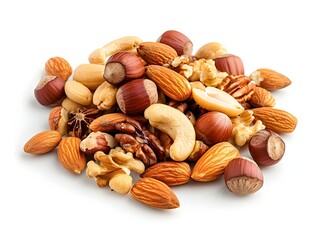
(171, 116)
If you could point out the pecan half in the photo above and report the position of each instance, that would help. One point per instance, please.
(240, 87)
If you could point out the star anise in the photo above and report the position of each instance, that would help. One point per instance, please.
(79, 121)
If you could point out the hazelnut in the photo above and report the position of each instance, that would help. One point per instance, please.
(266, 147)
(213, 127)
(135, 96)
(178, 41)
(243, 176)
(230, 63)
(123, 66)
(58, 120)
(97, 141)
(50, 90)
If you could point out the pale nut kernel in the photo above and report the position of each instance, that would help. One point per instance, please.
(121, 183)
(211, 50)
(78, 93)
(97, 141)
(58, 66)
(70, 105)
(104, 96)
(90, 75)
(174, 123)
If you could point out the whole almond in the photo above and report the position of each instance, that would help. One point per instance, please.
(154, 193)
(70, 155)
(275, 119)
(212, 164)
(43, 142)
(58, 66)
(170, 172)
(156, 53)
(269, 79)
(169, 82)
(262, 98)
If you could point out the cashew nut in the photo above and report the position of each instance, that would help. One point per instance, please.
(176, 125)
(100, 55)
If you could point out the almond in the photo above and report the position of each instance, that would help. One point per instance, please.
(212, 164)
(277, 120)
(43, 142)
(70, 155)
(262, 98)
(154, 193)
(156, 53)
(171, 83)
(57, 66)
(171, 173)
(269, 79)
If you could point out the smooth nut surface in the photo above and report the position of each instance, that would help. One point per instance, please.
(78, 93)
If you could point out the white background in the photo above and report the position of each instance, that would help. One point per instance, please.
(41, 200)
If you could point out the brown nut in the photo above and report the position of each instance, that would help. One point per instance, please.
(58, 66)
(50, 90)
(266, 147)
(243, 176)
(213, 127)
(123, 66)
(70, 155)
(58, 120)
(230, 63)
(135, 96)
(155, 53)
(170, 172)
(43, 142)
(178, 41)
(154, 193)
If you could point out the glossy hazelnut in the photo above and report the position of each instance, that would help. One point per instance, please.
(266, 147)
(50, 90)
(230, 63)
(213, 127)
(178, 41)
(123, 66)
(243, 176)
(135, 96)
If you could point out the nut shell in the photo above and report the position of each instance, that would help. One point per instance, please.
(266, 147)
(135, 96)
(243, 176)
(50, 90)
(230, 63)
(213, 127)
(178, 41)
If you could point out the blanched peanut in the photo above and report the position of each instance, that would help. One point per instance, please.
(90, 75)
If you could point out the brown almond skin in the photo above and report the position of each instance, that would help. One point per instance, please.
(278, 120)
(154, 193)
(170, 172)
(273, 80)
(262, 98)
(70, 155)
(212, 164)
(58, 66)
(43, 142)
(169, 82)
(156, 53)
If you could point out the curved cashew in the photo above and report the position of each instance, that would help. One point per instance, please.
(100, 55)
(176, 125)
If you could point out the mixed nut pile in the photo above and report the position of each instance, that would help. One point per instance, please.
(167, 114)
